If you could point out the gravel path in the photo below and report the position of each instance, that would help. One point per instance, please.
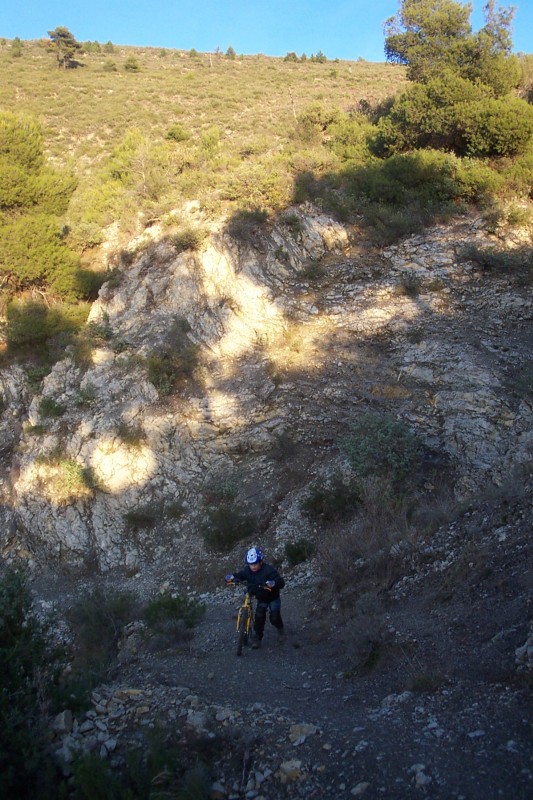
(296, 709)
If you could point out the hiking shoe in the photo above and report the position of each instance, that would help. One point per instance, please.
(282, 636)
(256, 643)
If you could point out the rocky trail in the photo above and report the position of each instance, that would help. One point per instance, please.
(420, 688)
(442, 713)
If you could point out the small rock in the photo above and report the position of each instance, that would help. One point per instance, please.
(217, 791)
(62, 722)
(360, 789)
(290, 771)
(299, 733)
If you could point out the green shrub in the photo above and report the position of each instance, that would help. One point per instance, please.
(48, 407)
(28, 666)
(313, 122)
(32, 196)
(291, 221)
(225, 526)
(348, 137)
(389, 223)
(379, 445)
(33, 253)
(89, 283)
(498, 259)
(177, 133)
(162, 767)
(299, 551)
(500, 127)
(131, 64)
(166, 607)
(176, 360)
(222, 488)
(87, 396)
(27, 324)
(97, 619)
(210, 142)
(76, 479)
(397, 196)
(21, 141)
(453, 114)
(518, 173)
(164, 371)
(478, 181)
(331, 499)
(188, 238)
(244, 225)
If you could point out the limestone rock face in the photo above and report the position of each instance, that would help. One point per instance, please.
(293, 333)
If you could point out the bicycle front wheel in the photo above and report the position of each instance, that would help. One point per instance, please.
(242, 631)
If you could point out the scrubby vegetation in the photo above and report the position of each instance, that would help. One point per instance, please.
(39, 679)
(29, 669)
(248, 136)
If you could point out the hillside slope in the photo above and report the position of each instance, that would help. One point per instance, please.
(419, 683)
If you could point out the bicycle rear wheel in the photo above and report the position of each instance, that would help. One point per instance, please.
(242, 631)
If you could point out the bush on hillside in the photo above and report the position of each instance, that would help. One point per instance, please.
(313, 122)
(28, 667)
(176, 360)
(299, 551)
(499, 260)
(517, 174)
(226, 525)
(97, 619)
(32, 324)
(453, 114)
(139, 165)
(167, 607)
(131, 64)
(331, 499)
(432, 37)
(378, 445)
(177, 133)
(21, 141)
(494, 128)
(33, 251)
(348, 137)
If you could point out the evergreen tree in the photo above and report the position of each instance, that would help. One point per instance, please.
(32, 197)
(65, 45)
(430, 36)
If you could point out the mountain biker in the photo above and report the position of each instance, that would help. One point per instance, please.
(264, 582)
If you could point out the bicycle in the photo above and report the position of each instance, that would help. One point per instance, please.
(245, 614)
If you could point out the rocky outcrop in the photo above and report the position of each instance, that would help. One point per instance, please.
(294, 332)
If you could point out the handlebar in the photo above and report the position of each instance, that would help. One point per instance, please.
(249, 586)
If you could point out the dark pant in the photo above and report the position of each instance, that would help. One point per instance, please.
(274, 608)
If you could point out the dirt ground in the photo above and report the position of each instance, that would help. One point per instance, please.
(420, 697)
(465, 737)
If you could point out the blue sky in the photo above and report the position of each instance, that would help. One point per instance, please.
(345, 29)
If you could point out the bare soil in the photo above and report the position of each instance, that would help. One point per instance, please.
(423, 698)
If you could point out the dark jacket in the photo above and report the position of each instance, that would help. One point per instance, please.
(256, 579)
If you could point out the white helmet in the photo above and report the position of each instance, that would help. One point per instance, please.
(254, 555)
